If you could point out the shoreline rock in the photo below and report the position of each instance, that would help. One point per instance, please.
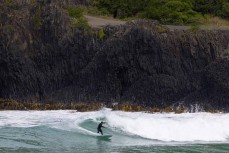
(9, 104)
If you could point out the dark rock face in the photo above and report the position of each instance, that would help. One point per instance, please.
(213, 87)
(138, 62)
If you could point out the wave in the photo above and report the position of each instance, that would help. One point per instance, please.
(189, 127)
(173, 127)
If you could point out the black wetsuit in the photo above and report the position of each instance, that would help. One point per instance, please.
(99, 128)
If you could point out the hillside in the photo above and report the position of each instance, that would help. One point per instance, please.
(47, 55)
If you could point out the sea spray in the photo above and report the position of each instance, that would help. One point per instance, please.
(196, 108)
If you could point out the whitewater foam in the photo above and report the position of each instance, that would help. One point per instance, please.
(174, 127)
(189, 127)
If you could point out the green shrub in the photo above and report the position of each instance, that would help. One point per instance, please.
(171, 12)
(225, 10)
(75, 12)
(81, 23)
(37, 19)
(101, 34)
(120, 8)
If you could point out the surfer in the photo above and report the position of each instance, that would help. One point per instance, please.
(100, 126)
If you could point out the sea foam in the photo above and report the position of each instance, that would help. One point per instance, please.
(187, 127)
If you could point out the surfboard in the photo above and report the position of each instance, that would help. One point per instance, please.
(105, 136)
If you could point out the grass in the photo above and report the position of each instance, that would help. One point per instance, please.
(215, 22)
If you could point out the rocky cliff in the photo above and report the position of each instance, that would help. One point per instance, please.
(42, 57)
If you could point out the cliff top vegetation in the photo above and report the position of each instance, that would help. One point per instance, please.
(173, 12)
(176, 12)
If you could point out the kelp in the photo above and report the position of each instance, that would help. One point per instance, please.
(9, 104)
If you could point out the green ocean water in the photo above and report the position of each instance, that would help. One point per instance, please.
(74, 132)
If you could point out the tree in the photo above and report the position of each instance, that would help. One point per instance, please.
(214, 7)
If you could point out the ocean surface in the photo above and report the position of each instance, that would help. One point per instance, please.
(68, 131)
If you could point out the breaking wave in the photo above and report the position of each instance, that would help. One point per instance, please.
(187, 127)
